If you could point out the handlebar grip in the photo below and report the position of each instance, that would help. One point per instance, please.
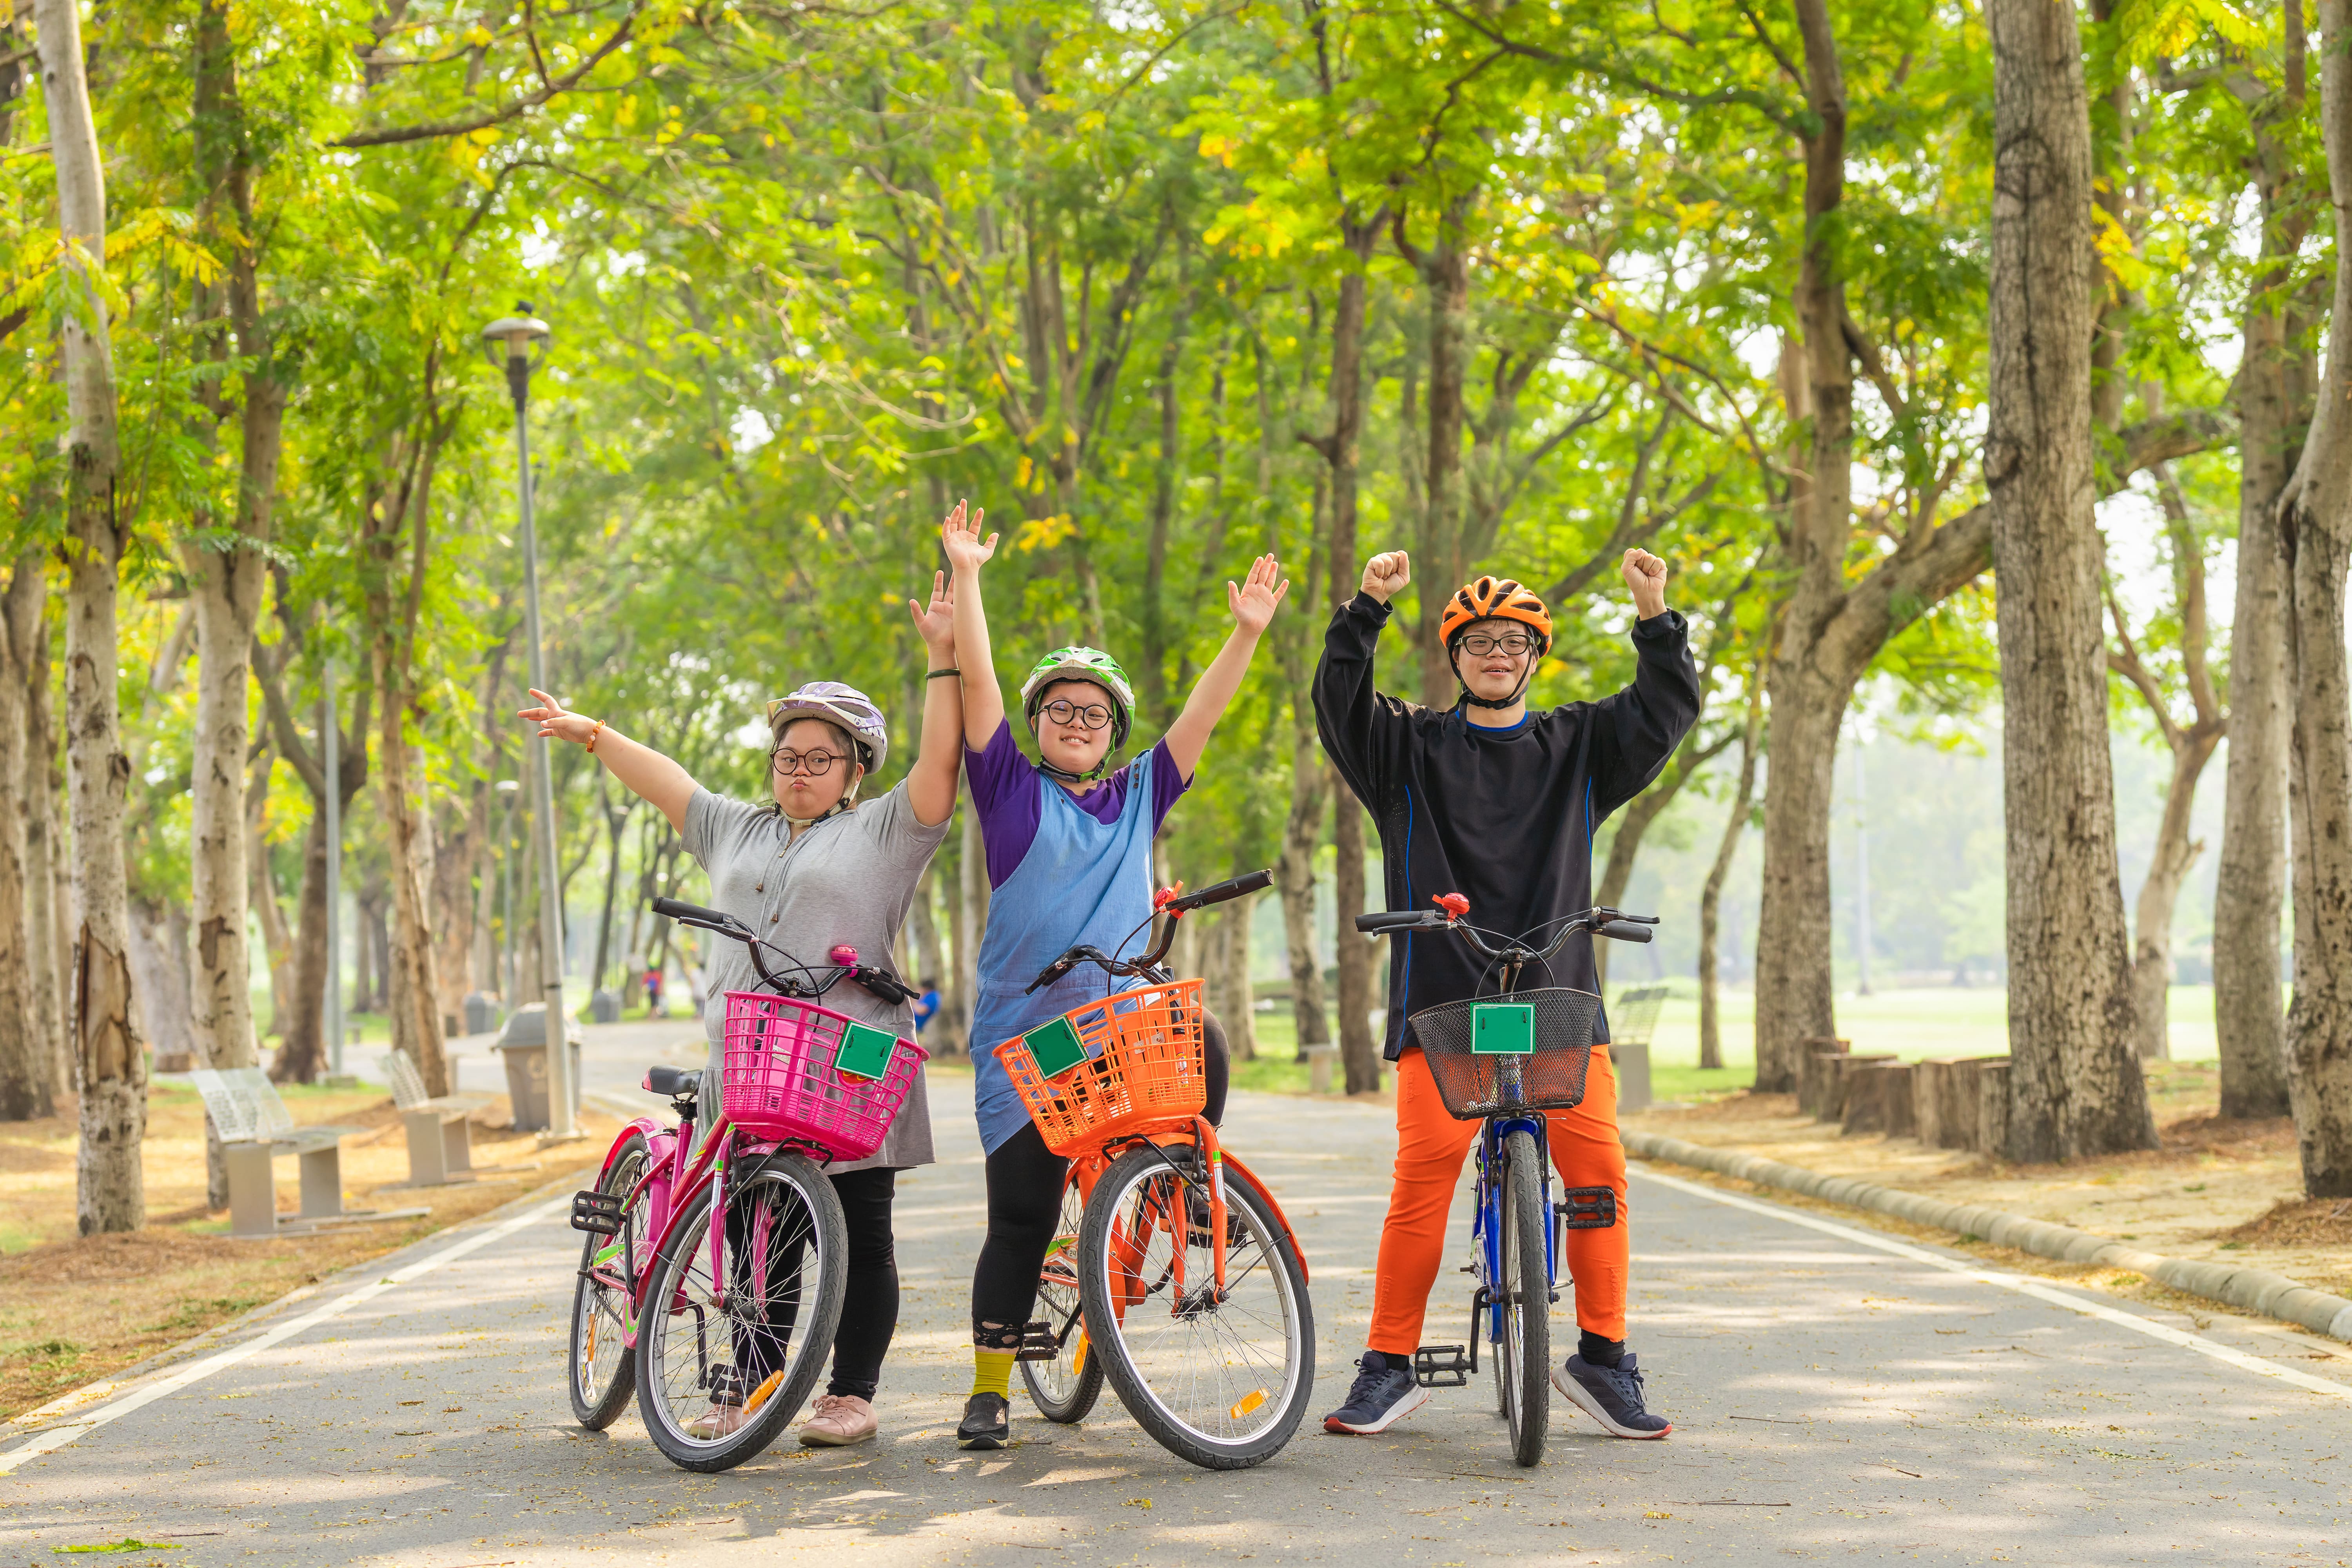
(1391, 919)
(693, 914)
(1625, 930)
(1220, 892)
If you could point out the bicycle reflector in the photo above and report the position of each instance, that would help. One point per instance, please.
(1055, 1048)
(1502, 1029)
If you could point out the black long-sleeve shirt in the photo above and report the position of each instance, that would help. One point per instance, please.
(1504, 817)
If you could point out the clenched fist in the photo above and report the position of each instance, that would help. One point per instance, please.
(1386, 575)
(1646, 575)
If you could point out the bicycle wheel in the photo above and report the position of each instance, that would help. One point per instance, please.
(1220, 1382)
(1523, 1359)
(751, 1332)
(604, 1368)
(1067, 1388)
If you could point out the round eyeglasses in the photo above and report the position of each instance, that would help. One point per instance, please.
(1062, 711)
(1478, 645)
(816, 764)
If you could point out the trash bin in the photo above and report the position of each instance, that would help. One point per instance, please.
(481, 1013)
(523, 1044)
(605, 1008)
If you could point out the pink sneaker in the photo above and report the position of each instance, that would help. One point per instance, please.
(839, 1420)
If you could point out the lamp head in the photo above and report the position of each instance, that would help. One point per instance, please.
(515, 337)
(508, 787)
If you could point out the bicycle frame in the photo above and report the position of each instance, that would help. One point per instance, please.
(1486, 1223)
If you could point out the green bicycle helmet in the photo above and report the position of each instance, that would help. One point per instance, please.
(1085, 663)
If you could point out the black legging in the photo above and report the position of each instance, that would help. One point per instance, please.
(1025, 1206)
(869, 1306)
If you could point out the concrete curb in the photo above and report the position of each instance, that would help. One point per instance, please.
(2248, 1290)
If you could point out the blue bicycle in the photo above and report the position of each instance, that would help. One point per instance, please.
(1506, 1060)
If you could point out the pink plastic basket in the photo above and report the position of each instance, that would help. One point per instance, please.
(777, 1077)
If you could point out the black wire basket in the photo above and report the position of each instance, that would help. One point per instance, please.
(1549, 1078)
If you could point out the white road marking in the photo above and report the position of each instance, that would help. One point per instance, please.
(2041, 1290)
(196, 1371)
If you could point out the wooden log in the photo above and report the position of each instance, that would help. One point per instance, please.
(1812, 1078)
(1841, 1068)
(1878, 1098)
(1993, 1106)
(1936, 1115)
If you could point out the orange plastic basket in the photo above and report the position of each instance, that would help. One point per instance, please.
(1143, 1069)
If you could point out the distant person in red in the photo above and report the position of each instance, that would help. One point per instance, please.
(653, 991)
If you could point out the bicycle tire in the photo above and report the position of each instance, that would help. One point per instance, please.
(799, 1208)
(1523, 1358)
(1065, 1389)
(1152, 1372)
(599, 1312)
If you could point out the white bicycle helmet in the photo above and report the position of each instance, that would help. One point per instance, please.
(843, 705)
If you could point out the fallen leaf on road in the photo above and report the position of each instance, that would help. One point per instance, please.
(126, 1544)
(1138, 1502)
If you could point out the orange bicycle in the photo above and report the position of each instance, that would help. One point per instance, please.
(1175, 1275)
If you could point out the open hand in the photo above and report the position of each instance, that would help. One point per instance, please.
(936, 622)
(1646, 575)
(959, 537)
(1253, 601)
(554, 723)
(1386, 575)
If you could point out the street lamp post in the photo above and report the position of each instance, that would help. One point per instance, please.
(519, 335)
(331, 750)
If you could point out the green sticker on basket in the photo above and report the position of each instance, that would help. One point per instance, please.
(865, 1052)
(1055, 1048)
(1502, 1029)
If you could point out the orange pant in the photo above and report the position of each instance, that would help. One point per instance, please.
(1430, 1148)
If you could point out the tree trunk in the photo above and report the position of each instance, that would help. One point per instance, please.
(946, 1029)
(225, 583)
(2250, 887)
(2076, 1088)
(25, 1072)
(1444, 271)
(1793, 985)
(44, 870)
(1359, 1054)
(1710, 898)
(1295, 880)
(2316, 527)
(1241, 994)
(277, 940)
(2176, 853)
(301, 1042)
(110, 1072)
(411, 975)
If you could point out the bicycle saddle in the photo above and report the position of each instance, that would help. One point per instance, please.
(679, 1083)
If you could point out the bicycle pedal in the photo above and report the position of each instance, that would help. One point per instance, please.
(599, 1214)
(1443, 1367)
(1037, 1342)
(1588, 1208)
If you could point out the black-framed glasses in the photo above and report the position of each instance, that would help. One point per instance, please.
(816, 764)
(1062, 711)
(1478, 645)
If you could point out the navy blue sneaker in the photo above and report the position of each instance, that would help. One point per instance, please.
(1385, 1393)
(1611, 1395)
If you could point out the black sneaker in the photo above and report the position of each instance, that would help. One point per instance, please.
(984, 1425)
(1385, 1393)
(1611, 1395)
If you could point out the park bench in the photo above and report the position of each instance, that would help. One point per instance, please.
(440, 1135)
(1632, 1022)
(256, 1130)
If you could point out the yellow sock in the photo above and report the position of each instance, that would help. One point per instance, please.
(991, 1373)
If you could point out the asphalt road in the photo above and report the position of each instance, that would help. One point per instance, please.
(1837, 1392)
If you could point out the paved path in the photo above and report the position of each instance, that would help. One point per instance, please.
(1899, 1407)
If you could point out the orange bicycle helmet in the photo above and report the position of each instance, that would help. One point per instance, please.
(1495, 598)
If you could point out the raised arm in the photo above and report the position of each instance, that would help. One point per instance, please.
(1348, 714)
(1641, 725)
(1253, 604)
(984, 702)
(643, 771)
(931, 782)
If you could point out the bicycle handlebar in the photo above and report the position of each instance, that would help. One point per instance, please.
(877, 981)
(1623, 931)
(1397, 920)
(1176, 908)
(1223, 892)
(1600, 922)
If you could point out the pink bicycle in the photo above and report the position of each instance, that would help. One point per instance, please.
(711, 1278)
